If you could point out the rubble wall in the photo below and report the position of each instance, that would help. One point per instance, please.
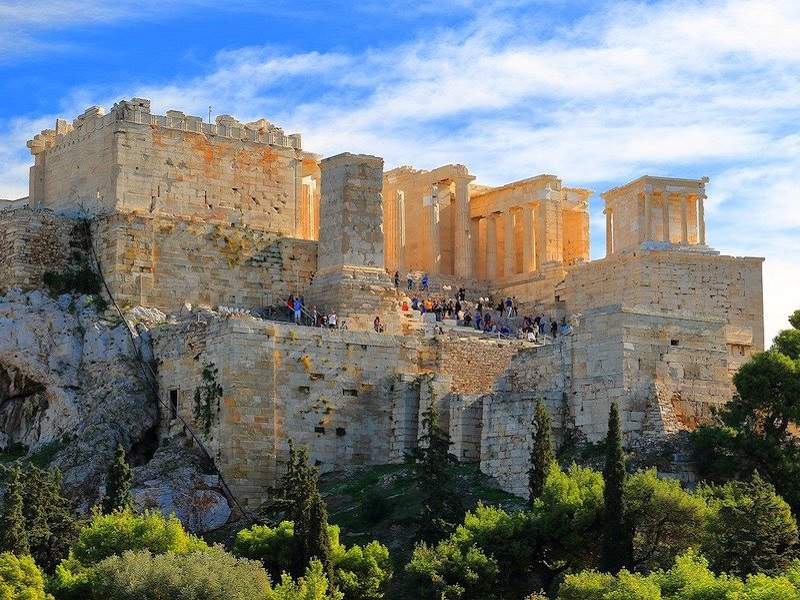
(32, 242)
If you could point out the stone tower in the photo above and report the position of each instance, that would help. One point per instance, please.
(351, 279)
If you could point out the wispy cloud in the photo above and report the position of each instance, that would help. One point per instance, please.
(676, 87)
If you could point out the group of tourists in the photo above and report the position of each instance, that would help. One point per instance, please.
(299, 315)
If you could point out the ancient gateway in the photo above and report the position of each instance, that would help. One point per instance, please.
(236, 216)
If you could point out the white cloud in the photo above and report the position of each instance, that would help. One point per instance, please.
(677, 87)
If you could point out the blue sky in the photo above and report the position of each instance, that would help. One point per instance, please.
(595, 92)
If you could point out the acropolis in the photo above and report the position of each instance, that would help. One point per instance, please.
(235, 217)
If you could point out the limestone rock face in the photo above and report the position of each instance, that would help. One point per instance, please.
(71, 389)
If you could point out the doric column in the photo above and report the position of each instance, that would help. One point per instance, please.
(609, 232)
(491, 246)
(665, 215)
(433, 229)
(684, 220)
(508, 245)
(462, 259)
(701, 221)
(528, 243)
(400, 230)
(474, 231)
(648, 201)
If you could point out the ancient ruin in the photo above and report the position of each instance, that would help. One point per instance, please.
(236, 217)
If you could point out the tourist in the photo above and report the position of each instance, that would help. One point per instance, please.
(404, 307)
(414, 303)
(509, 307)
(378, 325)
(410, 281)
(514, 305)
(332, 320)
(396, 279)
(290, 305)
(467, 319)
(314, 316)
(462, 293)
(480, 305)
(425, 282)
(478, 320)
(554, 329)
(298, 311)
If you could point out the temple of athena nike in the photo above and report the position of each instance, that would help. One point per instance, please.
(216, 224)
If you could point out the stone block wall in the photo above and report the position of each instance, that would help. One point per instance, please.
(132, 161)
(340, 394)
(680, 283)
(163, 262)
(33, 242)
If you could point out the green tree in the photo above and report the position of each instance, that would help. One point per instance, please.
(542, 455)
(617, 542)
(51, 524)
(14, 536)
(360, 573)
(118, 483)
(750, 530)
(665, 520)
(794, 319)
(21, 579)
(441, 505)
(113, 535)
(299, 495)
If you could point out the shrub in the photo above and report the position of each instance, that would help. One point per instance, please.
(361, 573)
(109, 535)
(211, 574)
(21, 579)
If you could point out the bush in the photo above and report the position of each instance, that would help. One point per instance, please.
(109, 535)
(211, 574)
(361, 573)
(115, 534)
(21, 579)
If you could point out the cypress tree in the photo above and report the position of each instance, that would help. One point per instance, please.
(617, 538)
(441, 505)
(118, 484)
(542, 455)
(299, 496)
(14, 536)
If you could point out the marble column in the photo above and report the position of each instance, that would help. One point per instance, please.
(528, 240)
(474, 232)
(701, 221)
(400, 229)
(508, 245)
(648, 201)
(684, 220)
(433, 230)
(665, 215)
(491, 246)
(609, 232)
(462, 244)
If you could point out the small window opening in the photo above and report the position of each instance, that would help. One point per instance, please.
(319, 430)
(340, 431)
(353, 393)
(674, 342)
(173, 404)
(304, 389)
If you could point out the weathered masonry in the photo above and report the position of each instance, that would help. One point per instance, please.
(238, 216)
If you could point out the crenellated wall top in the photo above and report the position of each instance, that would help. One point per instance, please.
(137, 110)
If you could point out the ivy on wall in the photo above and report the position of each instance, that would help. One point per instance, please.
(206, 398)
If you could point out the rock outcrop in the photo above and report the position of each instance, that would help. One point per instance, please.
(72, 387)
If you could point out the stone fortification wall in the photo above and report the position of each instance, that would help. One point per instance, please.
(665, 374)
(132, 161)
(165, 262)
(350, 397)
(675, 282)
(33, 242)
